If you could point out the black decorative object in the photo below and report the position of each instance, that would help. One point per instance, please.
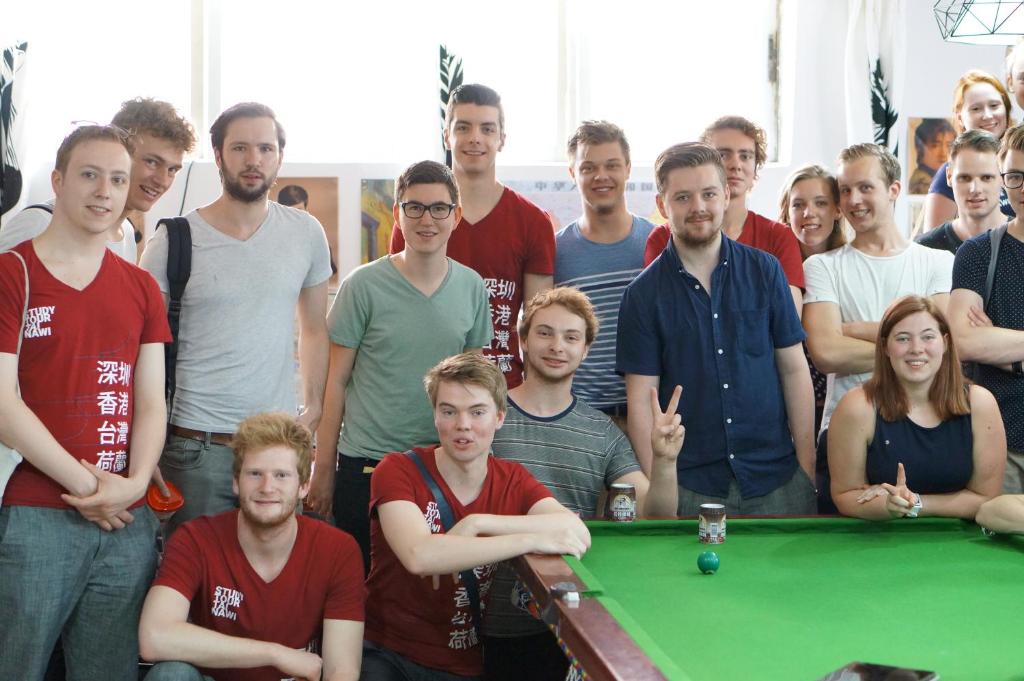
(882, 113)
(11, 180)
(451, 78)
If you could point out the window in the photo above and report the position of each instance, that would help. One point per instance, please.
(83, 60)
(358, 82)
(664, 71)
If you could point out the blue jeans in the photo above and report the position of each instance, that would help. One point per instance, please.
(62, 576)
(384, 664)
(203, 473)
(174, 671)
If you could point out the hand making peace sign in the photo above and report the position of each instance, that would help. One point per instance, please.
(667, 429)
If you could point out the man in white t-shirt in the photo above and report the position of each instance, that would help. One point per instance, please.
(255, 264)
(159, 138)
(848, 289)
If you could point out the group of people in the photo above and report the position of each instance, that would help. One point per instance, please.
(471, 395)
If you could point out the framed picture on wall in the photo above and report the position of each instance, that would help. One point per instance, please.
(319, 197)
(929, 140)
(377, 200)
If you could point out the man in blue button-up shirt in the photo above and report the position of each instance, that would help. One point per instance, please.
(717, 318)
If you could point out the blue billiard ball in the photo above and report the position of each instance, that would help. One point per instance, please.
(708, 562)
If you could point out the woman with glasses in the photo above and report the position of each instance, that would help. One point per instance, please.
(915, 439)
(980, 102)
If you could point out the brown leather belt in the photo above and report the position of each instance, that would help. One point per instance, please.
(200, 435)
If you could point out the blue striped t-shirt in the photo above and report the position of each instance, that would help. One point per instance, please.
(602, 271)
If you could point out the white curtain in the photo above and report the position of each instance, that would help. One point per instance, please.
(875, 71)
(13, 182)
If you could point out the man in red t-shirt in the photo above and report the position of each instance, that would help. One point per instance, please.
(76, 548)
(744, 149)
(258, 593)
(508, 240)
(422, 615)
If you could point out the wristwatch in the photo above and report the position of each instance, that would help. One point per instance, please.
(915, 510)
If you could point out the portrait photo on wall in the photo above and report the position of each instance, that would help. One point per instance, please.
(318, 196)
(377, 199)
(929, 142)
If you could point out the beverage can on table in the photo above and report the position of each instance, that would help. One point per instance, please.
(621, 503)
(712, 524)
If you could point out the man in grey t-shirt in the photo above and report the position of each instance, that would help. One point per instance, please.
(577, 452)
(254, 263)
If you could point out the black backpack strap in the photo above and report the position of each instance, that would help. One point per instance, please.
(179, 268)
(996, 235)
(447, 522)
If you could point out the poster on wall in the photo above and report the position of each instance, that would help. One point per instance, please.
(319, 197)
(561, 200)
(377, 200)
(929, 140)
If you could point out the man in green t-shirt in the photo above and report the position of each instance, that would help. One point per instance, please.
(393, 319)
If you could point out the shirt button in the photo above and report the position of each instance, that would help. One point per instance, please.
(732, 456)
(728, 420)
(725, 385)
(696, 285)
(719, 350)
(715, 315)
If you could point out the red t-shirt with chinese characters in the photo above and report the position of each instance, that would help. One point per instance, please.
(516, 238)
(758, 232)
(78, 360)
(404, 612)
(323, 579)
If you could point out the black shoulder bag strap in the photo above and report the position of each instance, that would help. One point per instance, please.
(996, 238)
(448, 521)
(996, 235)
(179, 268)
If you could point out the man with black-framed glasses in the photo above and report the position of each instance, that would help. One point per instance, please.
(502, 235)
(985, 311)
(393, 320)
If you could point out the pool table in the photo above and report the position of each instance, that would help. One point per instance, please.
(794, 598)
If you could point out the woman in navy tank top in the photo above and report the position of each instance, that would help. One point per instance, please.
(915, 439)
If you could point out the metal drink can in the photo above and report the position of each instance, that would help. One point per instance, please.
(621, 503)
(711, 529)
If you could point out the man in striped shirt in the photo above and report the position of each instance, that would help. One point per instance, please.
(601, 253)
(577, 452)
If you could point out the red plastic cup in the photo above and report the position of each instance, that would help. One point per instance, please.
(164, 507)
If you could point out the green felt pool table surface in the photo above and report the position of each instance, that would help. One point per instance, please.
(799, 598)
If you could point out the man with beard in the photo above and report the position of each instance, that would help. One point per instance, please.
(717, 318)
(577, 452)
(744, 149)
(254, 262)
(600, 253)
(258, 593)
